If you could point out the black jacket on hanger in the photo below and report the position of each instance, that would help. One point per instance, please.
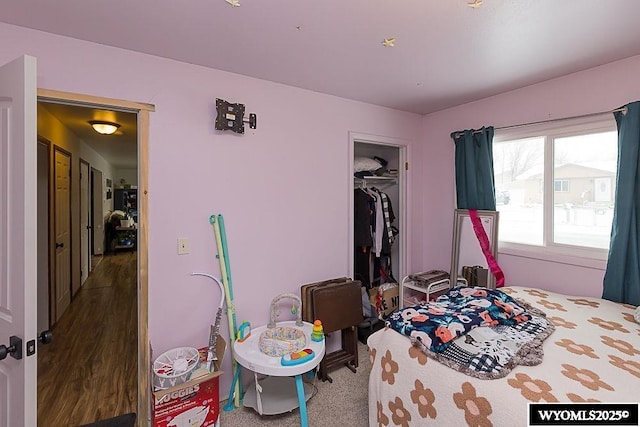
(363, 212)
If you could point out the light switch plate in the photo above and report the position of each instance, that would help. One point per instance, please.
(183, 246)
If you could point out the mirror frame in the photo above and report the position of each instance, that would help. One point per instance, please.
(460, 217)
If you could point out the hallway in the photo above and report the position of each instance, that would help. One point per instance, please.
(89, 371)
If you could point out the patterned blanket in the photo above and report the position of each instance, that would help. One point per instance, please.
(476, 331)
(492, 352)
(437, 324)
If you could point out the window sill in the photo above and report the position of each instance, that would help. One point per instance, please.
(560, 255)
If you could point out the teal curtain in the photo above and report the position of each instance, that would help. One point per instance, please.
(622, 278)
(475, 186)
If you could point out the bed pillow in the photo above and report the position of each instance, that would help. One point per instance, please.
(361, 164)
(636, 314)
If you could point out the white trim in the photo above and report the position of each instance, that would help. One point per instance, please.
(559, 255)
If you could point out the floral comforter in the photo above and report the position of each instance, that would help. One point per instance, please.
(482, 332)
(437, 324)
(592, 356)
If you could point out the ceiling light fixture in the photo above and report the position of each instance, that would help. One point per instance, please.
(104, 128)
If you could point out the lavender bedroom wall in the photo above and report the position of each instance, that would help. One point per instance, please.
(598, 89)
(283, 188)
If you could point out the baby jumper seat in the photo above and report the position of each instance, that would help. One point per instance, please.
(277, 341)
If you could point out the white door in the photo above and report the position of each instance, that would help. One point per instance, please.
(62, 232)
(85, 255)
(18, 400)
(602, 188)
(98, 214)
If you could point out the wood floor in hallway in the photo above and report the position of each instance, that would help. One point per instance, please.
(89, 371)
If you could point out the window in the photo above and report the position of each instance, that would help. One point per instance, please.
(555, 185)
(561, 185)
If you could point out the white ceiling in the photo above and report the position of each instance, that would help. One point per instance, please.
(446, 53)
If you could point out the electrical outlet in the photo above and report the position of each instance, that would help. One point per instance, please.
(183, 246)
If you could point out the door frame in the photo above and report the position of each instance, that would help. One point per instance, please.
(49, 257)
(51, 236)
(97, 212)
(403, 166)
(142, 111)
(87, 195)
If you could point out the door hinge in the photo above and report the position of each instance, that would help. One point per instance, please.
(406, 166)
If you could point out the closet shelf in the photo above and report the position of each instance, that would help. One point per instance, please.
(376, 180)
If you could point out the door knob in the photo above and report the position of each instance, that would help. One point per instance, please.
(59, 245)
(45, 337)
(14, 349)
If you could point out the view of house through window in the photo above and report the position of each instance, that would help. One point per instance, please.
(557, 187)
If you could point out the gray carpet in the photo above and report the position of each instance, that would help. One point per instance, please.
(341, 403)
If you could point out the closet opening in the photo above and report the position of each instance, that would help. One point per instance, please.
(378, 212)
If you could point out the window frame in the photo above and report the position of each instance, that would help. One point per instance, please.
(562, 186)
(549, 131)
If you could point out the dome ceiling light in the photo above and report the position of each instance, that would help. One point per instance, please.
(104, 128)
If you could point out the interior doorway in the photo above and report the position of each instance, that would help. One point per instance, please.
(136, 328)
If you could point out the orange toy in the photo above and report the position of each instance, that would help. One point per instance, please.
(318, 333)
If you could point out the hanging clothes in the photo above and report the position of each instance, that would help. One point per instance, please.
(378, 222)
(363, 211)
(374, 235)
(387, 235)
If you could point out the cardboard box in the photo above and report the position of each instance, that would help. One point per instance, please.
(387, 301)
(194, 403)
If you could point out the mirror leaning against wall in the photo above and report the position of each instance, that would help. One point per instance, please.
(467, 259)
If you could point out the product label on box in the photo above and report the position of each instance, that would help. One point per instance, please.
(182, 394)
(194, 405)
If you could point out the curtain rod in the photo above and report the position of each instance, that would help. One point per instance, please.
(583, 116)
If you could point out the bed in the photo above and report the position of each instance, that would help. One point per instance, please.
(593, 355)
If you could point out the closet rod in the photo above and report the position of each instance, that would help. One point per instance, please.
(583, 116)
(375, 180)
